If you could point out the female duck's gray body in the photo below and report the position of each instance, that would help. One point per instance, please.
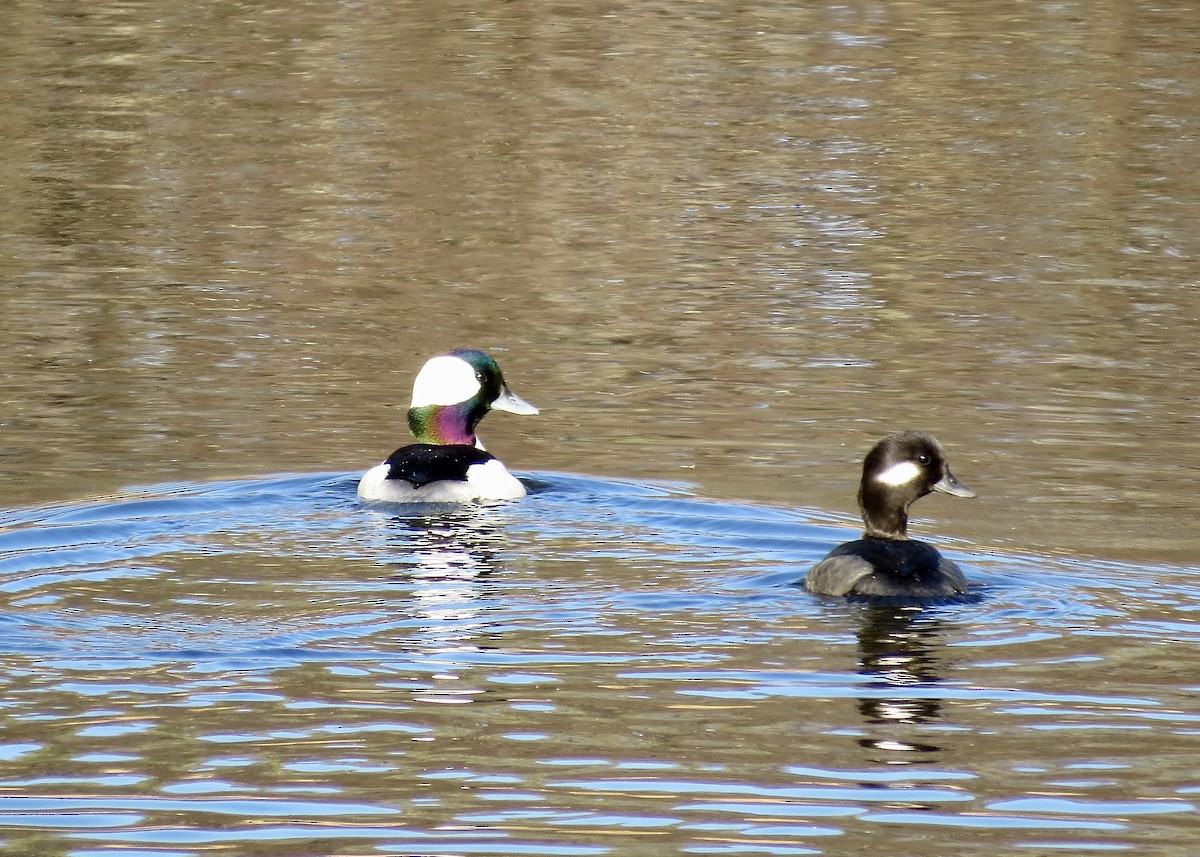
(885, 562)
(448, 464)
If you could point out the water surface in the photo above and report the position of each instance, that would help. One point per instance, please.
(724, 247)
(727, 245)
(270, 667)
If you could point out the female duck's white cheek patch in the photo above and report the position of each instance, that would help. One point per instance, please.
(444, 380)
(899, 474)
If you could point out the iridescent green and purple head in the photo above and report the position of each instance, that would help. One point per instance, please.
(453, 392)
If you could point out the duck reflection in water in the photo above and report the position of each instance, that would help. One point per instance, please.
(899, 646)
(446, 558)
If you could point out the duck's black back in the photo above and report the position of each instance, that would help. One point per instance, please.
(420, 464)
(886, 568)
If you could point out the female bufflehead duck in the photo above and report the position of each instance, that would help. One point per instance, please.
(885, 562)
(448, 464)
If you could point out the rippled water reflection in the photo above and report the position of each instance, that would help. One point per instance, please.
(605, 668)
(730, 244)
(733, 246)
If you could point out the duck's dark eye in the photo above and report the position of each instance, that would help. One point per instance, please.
(923, 458)
(479, 377)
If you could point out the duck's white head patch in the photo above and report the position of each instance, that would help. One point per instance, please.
(899, 474)
(444, 380)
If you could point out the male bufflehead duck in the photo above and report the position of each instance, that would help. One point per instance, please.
(885, 562)
(448, 464)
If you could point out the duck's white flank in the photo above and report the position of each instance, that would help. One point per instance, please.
(487, 481)
(492, 481)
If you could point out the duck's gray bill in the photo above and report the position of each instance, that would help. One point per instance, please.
(511, 402)
(948, 484)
